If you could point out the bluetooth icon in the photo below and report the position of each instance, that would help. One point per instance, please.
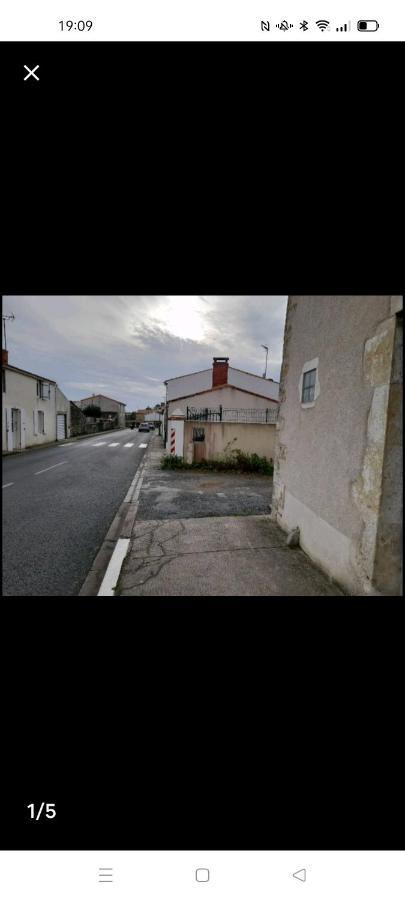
(304, 26)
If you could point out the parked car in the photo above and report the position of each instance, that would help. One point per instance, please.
(143, 426)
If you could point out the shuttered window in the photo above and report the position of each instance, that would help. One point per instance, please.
(43, 390)
(308, 386)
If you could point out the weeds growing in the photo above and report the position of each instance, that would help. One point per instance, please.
(235, 461)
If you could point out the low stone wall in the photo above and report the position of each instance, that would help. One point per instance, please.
(77, 420)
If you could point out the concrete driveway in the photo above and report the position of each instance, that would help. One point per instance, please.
(174, 494)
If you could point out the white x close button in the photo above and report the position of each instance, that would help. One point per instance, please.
(31, 72)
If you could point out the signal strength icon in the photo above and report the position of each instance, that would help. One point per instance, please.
(345, 27)
(323, 24)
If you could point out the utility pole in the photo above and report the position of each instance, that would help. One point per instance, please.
(4, 328)
(267, 351)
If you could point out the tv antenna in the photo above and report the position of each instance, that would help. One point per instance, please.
(267, 353)
(12, 316)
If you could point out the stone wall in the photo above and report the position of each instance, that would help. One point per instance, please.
(77, 420)
(388, 557)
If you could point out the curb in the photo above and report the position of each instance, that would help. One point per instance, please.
(121, 528)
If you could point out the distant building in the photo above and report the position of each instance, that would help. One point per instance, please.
(35, 411)
(110, 408)
(141, 413)
(338, 467)
(219, 409)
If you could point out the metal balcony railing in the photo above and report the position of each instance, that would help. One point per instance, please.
(247, 416)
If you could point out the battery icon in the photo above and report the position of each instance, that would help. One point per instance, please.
(367, 25)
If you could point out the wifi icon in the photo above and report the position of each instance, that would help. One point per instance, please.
(322, 24)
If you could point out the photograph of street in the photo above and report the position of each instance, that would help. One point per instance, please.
(187, 446)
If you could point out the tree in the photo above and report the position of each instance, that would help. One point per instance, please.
(92, 410)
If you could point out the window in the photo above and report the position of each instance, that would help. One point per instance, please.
(308, 386)
(43, 390)
(41, 422)
(3, 378)
(198, 434)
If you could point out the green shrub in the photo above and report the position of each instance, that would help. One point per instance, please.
(92, 410)
(170, 461)
(235, 461)
(252, 462)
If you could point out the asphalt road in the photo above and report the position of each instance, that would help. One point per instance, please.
(58, 504)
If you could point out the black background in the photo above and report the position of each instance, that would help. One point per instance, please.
(201, 168)
(202, 728)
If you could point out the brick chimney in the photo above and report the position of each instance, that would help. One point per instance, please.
(220, 371)
(4, 357)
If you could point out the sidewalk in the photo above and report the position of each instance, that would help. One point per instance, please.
(242, 555)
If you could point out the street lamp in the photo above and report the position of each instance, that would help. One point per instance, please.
(267, 350)
(4, 328)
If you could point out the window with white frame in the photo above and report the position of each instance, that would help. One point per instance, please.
(308, 386)
(41, 422)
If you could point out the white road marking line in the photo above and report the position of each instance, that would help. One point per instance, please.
(51, 467)
(9, 484)
(113, 445)
(114, 568)
(128, 445)
(142, 445)
(99, 444)
(133, 484)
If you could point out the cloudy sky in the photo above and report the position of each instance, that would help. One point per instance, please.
(126, 347)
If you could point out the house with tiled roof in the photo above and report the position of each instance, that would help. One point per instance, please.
(219, 408)
(110, 409)
(34, 409)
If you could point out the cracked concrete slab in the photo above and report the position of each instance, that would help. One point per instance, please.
(223, 556)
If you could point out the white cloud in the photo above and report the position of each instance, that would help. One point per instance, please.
(126, 347)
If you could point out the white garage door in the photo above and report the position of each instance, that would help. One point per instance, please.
(60, 427)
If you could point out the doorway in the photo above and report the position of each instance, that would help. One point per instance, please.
(15, 429)
(61, 427)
